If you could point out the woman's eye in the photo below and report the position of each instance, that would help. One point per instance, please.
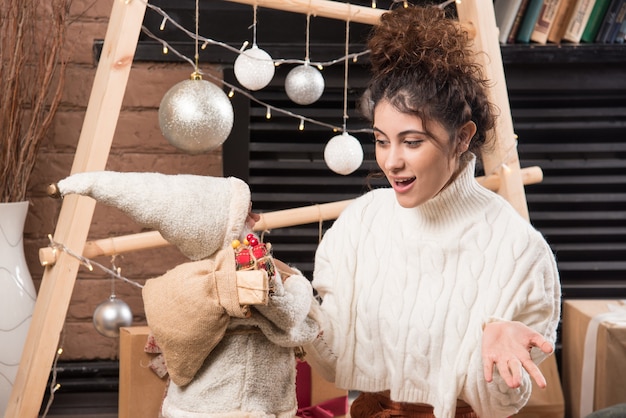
(413, 144)
(380, 142)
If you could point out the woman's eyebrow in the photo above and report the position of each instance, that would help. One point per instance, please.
(403, 133)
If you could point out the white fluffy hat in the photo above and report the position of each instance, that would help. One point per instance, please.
(198, 214)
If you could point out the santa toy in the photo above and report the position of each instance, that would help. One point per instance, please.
(223, 358)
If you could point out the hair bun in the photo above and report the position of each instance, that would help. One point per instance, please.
(418, 37)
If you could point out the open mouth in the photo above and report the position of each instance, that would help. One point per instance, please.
(403, 184)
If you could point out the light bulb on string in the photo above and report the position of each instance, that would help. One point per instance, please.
(268, 113)
(162, 26)
(301, 125)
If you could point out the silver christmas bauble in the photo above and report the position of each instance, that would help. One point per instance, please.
(110, 315)
(254, 68)
(304, 84)
(196, 116)
(343, 154)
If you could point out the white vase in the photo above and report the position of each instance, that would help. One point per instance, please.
(17, 295)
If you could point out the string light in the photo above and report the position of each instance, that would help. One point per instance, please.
(206, 41)
(90, 263)
(54, 385)
(373, 4)
(162, 27)
(231, 93)
(268, 113)
(301, 126)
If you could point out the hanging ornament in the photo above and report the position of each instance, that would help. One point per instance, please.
(111, 315)
(343, 154)
(304, 84)
(254, 68)
(196, 115)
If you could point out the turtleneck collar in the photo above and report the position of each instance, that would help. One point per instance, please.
(460, 200)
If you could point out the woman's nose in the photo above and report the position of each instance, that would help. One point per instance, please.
(394, 159)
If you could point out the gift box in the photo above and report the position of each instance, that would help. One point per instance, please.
(594, 355)
(141, 390)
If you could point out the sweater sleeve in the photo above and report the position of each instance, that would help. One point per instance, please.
(536, 303)
(335, 253)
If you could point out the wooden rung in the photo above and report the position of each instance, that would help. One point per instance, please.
(332, 10)
(268, 221)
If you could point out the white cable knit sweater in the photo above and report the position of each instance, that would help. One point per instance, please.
(406, 293)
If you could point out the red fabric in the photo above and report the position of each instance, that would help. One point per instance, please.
(327, 409)
(303, 383)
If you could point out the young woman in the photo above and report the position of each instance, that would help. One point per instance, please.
(436, 296)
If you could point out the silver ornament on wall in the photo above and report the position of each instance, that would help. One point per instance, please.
(196, 115)
(343, 154)
(254, 68)
(111, 315)
(304, 84)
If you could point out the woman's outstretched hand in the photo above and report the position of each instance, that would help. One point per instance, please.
(507, 344)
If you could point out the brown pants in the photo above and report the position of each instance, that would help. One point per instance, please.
(378, 405)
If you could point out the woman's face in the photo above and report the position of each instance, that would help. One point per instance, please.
(417, 164)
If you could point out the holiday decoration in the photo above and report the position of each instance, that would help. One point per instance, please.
(110, 315)
(223, 358)
(254, 68)
(196, 115)
(304, 84)
(343, 154)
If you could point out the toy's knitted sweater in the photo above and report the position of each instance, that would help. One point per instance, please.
(406, 292)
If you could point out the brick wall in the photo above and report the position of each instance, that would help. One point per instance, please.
(137, 146)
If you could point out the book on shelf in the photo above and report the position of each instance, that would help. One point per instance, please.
(612, 22)
(506, 11)
(563, 14)
(595, 20)
(619, 29)
(621, 34)
(517, 22)
(528, 21)
(578, 21)
(545, 21)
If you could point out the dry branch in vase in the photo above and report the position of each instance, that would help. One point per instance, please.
(32, 70)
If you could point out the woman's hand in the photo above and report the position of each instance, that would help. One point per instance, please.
(507, 345)
(252, 219)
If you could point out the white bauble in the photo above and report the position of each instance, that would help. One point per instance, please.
(111, 315)
(304, 84)
(196, 116)
(254, 68)
(343, 154)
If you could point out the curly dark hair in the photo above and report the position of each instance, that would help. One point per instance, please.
(422, 64)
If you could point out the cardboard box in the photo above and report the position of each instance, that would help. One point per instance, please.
(604, 372)
(548, 402)
(141, 391)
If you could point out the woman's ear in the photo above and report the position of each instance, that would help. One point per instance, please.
(466, 133)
